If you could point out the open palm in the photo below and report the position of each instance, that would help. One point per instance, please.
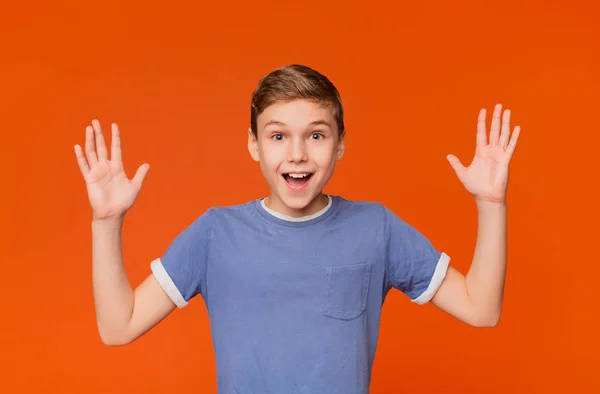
(110, 192)
(486, 178)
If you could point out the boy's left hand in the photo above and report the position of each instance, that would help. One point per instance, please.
(486, 178)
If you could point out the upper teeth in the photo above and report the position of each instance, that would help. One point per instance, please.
(298, 175)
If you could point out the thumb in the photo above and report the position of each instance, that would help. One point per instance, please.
(455, 163)
(140, 174)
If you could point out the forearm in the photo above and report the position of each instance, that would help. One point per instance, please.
(113, 295)
(486, 277)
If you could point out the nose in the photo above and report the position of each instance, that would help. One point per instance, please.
(297, 152)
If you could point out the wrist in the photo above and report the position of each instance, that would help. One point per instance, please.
(491, 206)
(112, 221)
(490, 203)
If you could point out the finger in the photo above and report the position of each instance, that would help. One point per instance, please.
(83, 165)
(115, 148)
(455, 163)
(505, 133)
(140, 174)
(481, 134)
(90, 146)
(512, 145)
(100, 144)
(495, 128)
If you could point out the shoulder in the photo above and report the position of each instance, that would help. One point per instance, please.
(372, 212)
(232, 210)
(230, 213)
(362, 207)
(365, 213)
(220, 213)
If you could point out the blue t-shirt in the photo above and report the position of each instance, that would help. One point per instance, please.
(294, 304)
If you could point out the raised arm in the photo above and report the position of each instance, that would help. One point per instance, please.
(476, 298)
(122, 313)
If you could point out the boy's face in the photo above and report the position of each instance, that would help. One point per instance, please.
(297, 146)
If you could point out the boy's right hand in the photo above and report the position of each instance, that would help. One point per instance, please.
(110, 192)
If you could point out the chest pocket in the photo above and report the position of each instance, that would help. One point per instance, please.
(346, 290)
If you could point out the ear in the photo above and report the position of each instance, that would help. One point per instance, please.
(341, 146)
(252, 145)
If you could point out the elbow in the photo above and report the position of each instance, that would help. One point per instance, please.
(112, 338)
(113, 341)
(486, 324)
(486, 321)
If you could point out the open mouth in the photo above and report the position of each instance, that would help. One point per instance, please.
(297, 180)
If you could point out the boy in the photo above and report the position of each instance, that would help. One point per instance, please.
(294, 283)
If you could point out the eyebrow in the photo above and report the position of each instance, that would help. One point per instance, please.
(313, 123)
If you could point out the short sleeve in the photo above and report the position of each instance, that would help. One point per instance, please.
(413, 265)
(181, 271)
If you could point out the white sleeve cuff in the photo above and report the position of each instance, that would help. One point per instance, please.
(167, 283)
(436, 280)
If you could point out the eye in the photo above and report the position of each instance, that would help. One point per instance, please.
(277, 137)
(317, 136)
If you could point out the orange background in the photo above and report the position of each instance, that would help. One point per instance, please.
(177, 78)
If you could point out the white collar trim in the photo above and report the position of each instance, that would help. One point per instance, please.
(294, 219)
